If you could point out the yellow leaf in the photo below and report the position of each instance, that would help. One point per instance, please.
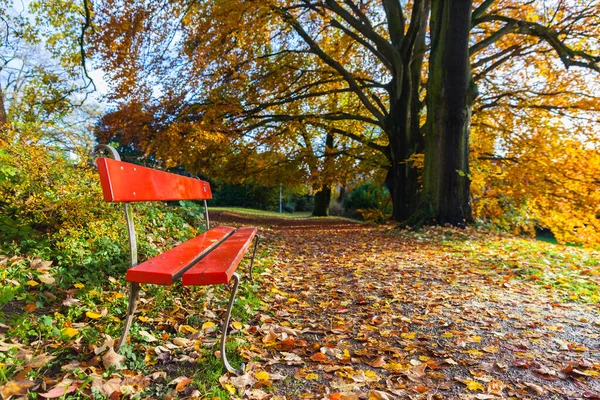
(237, 325)
(186, 329)
(473, 385)
(79, 285)
(93, 315)
(475, 339)
(70, 332)
(370, 374)
(262, 376)
(311, 377)
(447, 335)
(143, 319)
(32, 283)
(410, 335)
(230, 388)
(207, 325)
(473, 352)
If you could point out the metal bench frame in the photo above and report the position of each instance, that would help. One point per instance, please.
(134, 290)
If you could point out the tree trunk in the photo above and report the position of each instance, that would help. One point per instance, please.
(403, 127)
(450, 96)
(323, 196)
(322, 199)
(3, 117)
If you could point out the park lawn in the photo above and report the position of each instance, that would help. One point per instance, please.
(337, 309)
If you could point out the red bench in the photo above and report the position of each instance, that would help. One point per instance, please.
(210, 258)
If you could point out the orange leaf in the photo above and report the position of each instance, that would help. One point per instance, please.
(421, 388)
(319, 357)
(181, 385)
(30, 308)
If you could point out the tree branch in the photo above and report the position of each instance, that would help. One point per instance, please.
(567, 55)
(334, 64)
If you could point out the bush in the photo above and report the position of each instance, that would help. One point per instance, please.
(369, 201)
(52, 207)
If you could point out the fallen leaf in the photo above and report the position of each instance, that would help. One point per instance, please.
(262, 376)
(147, 336)
(237, 325)
(185, 329)
(70, 332)
(536, 388)
(30, 307)
(40, 360)
(93, 315)
(208, 325)
(181, 385)
(47, 279)
(112, 359)
(60, 390)
(15, 388)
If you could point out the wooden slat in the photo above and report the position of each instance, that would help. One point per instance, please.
(220, 264)
(125, 182)
(168, 267)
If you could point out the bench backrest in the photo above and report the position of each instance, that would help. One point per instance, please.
(125, 182)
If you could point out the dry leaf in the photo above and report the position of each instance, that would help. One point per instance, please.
(15, 388)
(60, 390)
(47, 279)
(112, 359)
(147, 336)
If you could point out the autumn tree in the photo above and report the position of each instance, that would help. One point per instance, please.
(247, 77)
(535, 135)
(259, 69)
(43, 78)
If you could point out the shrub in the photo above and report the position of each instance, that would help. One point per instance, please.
(369, 201)
(52, 207)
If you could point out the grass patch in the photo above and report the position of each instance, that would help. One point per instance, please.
(261, 213)
(571, 272)
(67, 320)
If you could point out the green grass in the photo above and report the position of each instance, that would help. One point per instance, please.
(274, 214)
(261, 213)
(570, 272)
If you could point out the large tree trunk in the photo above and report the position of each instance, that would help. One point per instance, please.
(323, 196)
(450, 96)
(403, 125)
(322, 199)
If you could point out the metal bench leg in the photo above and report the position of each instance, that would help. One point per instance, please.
(256, 239)
(228, 367)
(134, 292)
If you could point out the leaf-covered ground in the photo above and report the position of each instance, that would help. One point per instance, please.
(340, 310)
(360, 312)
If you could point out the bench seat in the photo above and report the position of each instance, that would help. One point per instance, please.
(220, 264)
(170, 265)
(210, 258)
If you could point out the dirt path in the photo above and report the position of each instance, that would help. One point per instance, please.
(353, 311)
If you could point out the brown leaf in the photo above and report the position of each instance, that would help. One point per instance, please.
(60, 390)
(378, 362)
(112, 386)
(112, 359)
(40, 360)
(15, 388)
(536, 388)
